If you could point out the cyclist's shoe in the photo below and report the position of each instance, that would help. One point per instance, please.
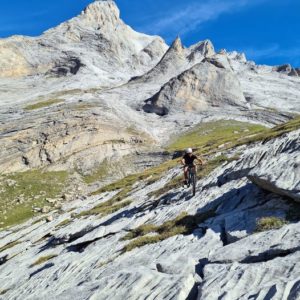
(185, 182)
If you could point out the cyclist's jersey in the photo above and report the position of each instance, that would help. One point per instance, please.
(189, 160)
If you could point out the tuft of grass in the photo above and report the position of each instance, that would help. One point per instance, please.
(64, 223)
(9, 245)
(43, 259)
(3, 292)
(83, 106)
(183, 224)
(105, 208)
(32, 187)
(43, 104)
(269, 223)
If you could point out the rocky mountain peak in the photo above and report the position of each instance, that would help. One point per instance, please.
(177, 45)
(206, 48)
(101, 12)
(202, 49)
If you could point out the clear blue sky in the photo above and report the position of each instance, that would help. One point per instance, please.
(268, 31)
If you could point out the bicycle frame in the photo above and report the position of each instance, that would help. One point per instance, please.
(192, 178)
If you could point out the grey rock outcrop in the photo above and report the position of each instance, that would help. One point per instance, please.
(200, 50)
(287, 69)
(203, 87)
(281, 172)
(264, 87)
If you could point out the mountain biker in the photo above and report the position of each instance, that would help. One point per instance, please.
(188, 160)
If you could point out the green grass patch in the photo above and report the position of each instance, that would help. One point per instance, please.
(83, 106)
(269, 223)
(9, 245)
(105, 208)
(269, 134)
(114, 204)
(43, 259)
(64, 223)
(43, 104)
(125, 187)
(20, 192)
(148, 176)
(183, 224)
(208, 136)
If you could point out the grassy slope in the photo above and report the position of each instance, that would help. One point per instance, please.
(43, 104)
(29, 189)
(207, 138)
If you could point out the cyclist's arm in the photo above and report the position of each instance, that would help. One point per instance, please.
(183, 161)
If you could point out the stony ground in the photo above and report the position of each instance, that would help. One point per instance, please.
(233, 240)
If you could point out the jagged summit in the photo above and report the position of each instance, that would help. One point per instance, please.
(205, 48)
(177, 59)
(99, 15)
(101, 12)
(177, 45)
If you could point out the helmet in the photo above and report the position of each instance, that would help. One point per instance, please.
(189, 150)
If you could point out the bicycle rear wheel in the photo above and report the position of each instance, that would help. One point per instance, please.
(194, 181)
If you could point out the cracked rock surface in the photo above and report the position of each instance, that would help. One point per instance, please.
(223, 258)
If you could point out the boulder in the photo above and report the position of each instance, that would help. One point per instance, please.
(279, 174)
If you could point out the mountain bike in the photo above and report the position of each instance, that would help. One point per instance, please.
(192, 178)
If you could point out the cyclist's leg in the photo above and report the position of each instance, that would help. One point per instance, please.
(185, 172)
(195, 168)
